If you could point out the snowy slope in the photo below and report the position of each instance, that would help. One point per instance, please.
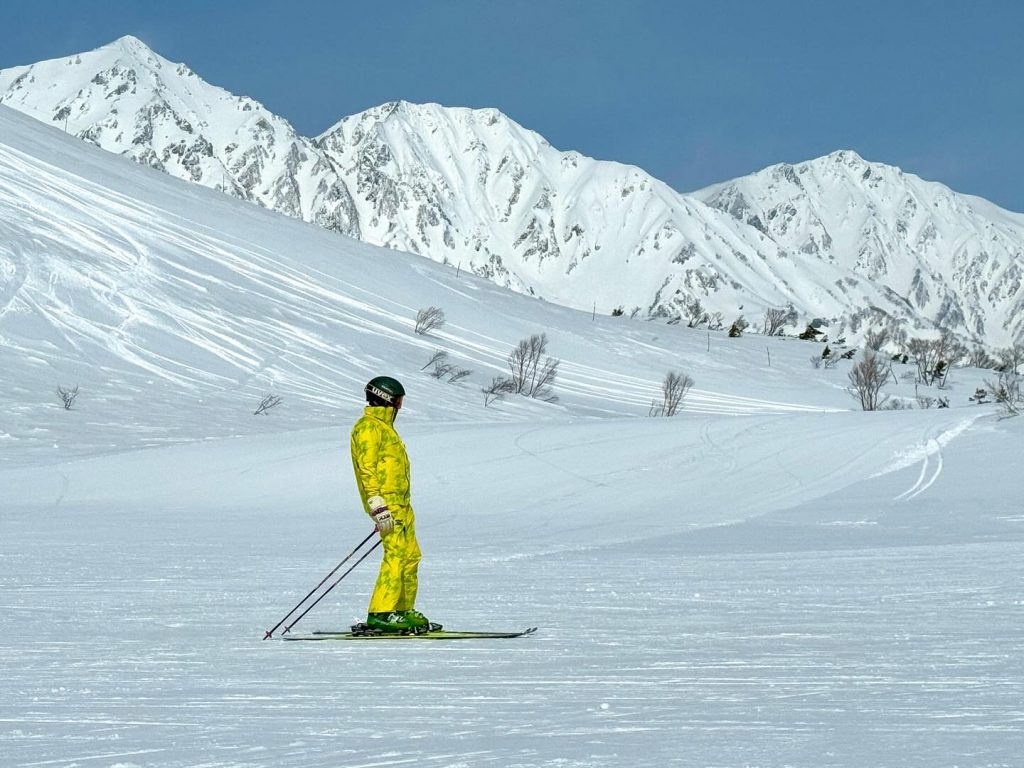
(474, 189)
(184, 306)
(768, 579)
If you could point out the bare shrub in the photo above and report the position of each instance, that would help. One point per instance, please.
(440, 368)
(440, 357)
(924, 402)
(439, 364)
(67, 396)
(694, 314)
(816, 361)
(829, 358)
(533, 373)
(867, 377)
(673, 389)
(935, 357)
(1011, 358)
(979, 357)
(875, 340)
(774, 321)
(498, 388)
(1006, 391)
(429, 319)
(895, 404)
(440, 371)
(268, 402)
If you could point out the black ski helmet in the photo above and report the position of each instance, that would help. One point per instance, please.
(384, 390)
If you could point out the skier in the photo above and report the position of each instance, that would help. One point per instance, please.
(382, 475)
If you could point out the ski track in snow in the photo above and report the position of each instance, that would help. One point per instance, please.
(923, 452)
(18, 276)
(932, 448)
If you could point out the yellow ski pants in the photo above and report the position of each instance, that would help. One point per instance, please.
(398, 579)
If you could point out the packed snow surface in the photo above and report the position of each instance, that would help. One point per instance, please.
(768, 579)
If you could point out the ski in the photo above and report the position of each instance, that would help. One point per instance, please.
(440, 634)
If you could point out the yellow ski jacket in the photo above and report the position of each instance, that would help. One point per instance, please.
(379, 459)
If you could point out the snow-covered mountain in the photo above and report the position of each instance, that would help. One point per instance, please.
(473, 188)
(456, 185)
(125, 98)
(954, 259)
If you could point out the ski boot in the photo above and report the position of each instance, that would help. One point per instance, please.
(393, 623)
(421, 625)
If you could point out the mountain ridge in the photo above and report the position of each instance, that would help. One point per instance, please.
(470, 187)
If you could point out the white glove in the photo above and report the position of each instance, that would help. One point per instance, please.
(381, 515)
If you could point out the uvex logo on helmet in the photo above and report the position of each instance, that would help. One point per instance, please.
(384, 390)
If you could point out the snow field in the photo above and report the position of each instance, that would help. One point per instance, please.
(800, 635)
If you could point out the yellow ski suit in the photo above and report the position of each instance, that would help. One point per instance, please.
(382, 469)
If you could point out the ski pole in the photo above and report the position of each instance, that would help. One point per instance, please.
(270, 632)
(336, 583)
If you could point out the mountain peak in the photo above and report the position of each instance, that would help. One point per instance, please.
(846, 157)
(132, 50)
(434, 111)
(128, 43)
(431, 118)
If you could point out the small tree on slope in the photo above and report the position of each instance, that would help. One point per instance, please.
(867, 377)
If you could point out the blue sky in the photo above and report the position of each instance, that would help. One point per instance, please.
(693, 92)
